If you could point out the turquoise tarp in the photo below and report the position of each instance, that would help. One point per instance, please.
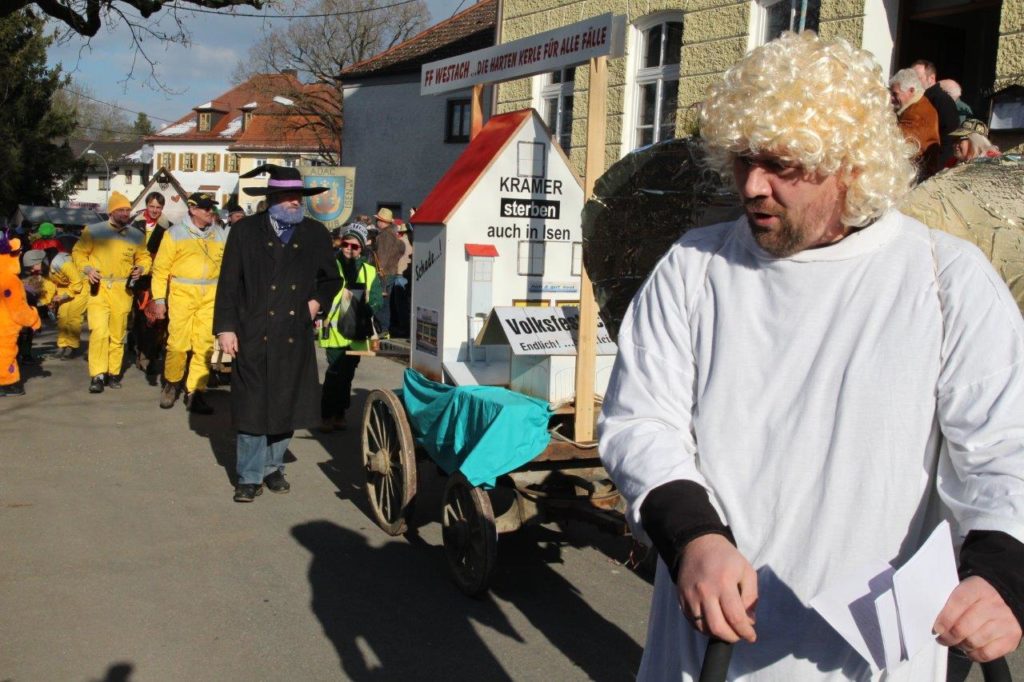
(482, 431)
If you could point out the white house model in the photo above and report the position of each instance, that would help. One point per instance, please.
(498, 241)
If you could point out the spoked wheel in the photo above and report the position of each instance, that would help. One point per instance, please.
(470, 537)
(390, 460)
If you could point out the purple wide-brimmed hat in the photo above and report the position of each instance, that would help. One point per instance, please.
(282, 179)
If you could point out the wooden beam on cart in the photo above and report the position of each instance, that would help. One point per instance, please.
(586, 346)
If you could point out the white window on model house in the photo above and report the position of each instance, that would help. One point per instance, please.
(771, 17)
(556, 95)
(531, 257)
(658, 53)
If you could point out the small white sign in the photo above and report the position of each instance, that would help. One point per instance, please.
(541, 331)
(599, 36)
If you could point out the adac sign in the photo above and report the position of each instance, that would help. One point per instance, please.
(333, 207)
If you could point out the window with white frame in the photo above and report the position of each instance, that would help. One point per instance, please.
(531, 257)
(556, 103)
(290, 161)
(775, 16)
(659, 51)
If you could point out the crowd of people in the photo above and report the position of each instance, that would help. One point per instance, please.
(932, 115)
(168, 295)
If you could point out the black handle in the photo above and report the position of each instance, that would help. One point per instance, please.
(996, 671)
(716, 661)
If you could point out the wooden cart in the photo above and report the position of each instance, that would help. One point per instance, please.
(566, 480)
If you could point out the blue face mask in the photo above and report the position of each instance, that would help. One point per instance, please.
(286, 214)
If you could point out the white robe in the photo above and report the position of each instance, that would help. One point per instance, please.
(835, 404)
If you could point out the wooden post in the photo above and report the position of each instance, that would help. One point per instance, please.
(477, 111)
(586, 349)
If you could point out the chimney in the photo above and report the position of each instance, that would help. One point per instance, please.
(294, 73)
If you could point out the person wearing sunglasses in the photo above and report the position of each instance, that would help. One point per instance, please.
(348, 326)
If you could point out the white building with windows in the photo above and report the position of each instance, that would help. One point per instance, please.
(209, 147)
(399, 142)
(112, 167)
(676, 48)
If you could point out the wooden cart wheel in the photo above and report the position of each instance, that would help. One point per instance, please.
(390, 460)
(470, 537)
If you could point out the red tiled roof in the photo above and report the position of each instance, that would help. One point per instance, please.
(486, 250)
(260, 89)
(471, 29)
(467, 169)
(292, 132)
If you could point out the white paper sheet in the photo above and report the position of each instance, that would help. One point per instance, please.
(886, 615)
(923, 585)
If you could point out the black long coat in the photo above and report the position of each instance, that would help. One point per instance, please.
(262, 296)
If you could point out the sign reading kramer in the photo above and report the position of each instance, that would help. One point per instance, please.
(501, 228)
(542, 53)
(541, 331)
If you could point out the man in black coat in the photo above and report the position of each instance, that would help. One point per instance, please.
(949, 118)
(277, 275)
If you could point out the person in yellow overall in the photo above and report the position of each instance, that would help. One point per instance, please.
(69, 299)
(110, 254)
(184, 280)
(15, 314)
(361, 291)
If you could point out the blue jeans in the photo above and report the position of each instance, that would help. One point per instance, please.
(260, 455)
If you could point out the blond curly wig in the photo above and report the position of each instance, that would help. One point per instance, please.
(822, 104)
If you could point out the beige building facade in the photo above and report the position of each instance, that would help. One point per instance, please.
(676, 48)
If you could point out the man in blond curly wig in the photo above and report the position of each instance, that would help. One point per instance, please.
(810, 388)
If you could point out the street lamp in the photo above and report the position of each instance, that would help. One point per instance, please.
(105, 165)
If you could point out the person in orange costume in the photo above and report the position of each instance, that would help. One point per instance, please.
(15, 313)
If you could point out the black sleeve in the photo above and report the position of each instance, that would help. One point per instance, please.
(677, 512)
(999, 559)
(155, 239)
(229, 283)
(328, 280)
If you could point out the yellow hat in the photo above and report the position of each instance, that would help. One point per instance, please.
(117, 200)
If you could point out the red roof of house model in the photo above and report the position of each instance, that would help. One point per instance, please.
(467, 169)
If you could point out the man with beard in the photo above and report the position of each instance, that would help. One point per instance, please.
(185, 273)
(110, 254)
(815, 385)
(278, 274)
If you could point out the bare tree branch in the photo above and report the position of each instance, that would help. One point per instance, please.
(84, 16)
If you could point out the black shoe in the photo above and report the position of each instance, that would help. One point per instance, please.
(113, 381)
(276, 484)
(247, 492)
(96, 384)
(12, 390)
(169, 395)
(64, 353)
(196, 404)
(28, 360)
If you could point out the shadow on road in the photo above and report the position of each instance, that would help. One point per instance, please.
(391, 615)
(118, 672)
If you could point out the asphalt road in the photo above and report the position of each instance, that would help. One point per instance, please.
(123, 558)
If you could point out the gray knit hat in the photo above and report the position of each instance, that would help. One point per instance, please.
(33, 258)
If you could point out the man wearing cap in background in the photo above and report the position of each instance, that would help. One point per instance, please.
(15, 314)
(185, 273)
(360, 297)
(392, 253)
(149, 336)
(278, 274)
(111, 255)
(234, 211)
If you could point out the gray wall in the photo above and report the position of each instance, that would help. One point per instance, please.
(395, 139)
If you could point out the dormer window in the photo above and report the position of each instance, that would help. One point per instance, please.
(205, 121)
(246, 120)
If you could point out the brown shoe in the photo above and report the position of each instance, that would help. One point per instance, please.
(169, 395)
(326, 426)
(339, 423)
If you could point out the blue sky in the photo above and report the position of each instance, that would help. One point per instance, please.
(192, 74)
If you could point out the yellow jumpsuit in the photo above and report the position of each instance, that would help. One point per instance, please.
(185, 273)
(64, 275)
(113, 252)
(15, 313)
